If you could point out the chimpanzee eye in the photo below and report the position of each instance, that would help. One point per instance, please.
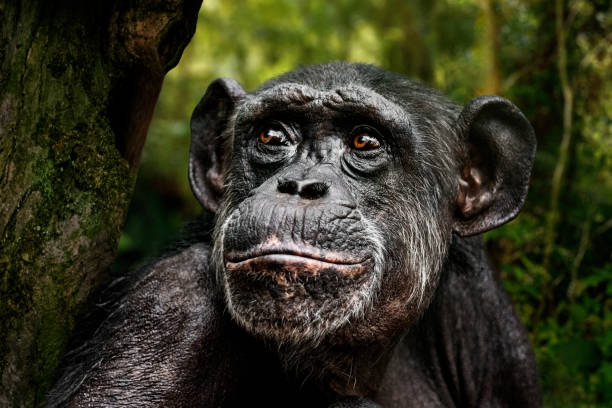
(273, 136)
(365, 139)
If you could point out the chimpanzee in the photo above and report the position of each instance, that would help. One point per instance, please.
(339, 268)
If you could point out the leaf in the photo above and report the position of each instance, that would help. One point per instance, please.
(579, 354)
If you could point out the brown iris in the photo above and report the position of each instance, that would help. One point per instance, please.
(272, 136)
(264, 137)
(363, 141)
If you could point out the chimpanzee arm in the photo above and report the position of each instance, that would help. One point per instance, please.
(161, 345)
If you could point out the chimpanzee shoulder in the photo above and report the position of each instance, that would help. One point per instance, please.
(144, 329)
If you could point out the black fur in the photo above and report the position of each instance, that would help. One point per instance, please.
(335, 277)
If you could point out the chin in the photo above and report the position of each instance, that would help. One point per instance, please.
(296, 298)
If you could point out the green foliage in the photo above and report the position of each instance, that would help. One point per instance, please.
(567, 307)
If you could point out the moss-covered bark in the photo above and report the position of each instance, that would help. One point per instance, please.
(78, 83)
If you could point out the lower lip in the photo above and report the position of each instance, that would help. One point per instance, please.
(295, 265)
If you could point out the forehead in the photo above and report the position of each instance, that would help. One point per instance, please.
(316, 104)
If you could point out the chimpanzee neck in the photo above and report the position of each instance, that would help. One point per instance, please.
(466, 286)
(468, 347)
(341, 370)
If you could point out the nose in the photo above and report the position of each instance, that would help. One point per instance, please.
(309, 189)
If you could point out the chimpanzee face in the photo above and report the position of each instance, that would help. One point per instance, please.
(336, 200)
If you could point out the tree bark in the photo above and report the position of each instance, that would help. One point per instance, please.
(78, 84)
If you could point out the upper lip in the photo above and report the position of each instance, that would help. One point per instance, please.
(318, 255)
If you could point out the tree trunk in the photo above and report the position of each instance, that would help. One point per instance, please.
(78, 84)
(564, 148)
(492, 81)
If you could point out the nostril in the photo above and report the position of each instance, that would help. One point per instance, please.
(307, 189)
(287, 186)
(312, 190)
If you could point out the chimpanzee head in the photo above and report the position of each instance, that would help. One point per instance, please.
(337, 189)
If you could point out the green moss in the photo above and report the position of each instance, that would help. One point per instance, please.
(95, 189)
(50, 339)
(76, 173)
(70, 189)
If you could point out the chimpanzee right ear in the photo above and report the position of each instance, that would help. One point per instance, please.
(500, 148)
(209, 136)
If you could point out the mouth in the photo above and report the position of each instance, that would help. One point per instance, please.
(296, 263)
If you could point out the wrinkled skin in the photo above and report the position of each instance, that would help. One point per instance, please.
(304, 246)
(339, 272)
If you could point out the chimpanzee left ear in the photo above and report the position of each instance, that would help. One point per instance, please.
(499, 151)
(209, 138)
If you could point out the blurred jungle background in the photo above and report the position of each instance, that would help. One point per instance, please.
(555, 64)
